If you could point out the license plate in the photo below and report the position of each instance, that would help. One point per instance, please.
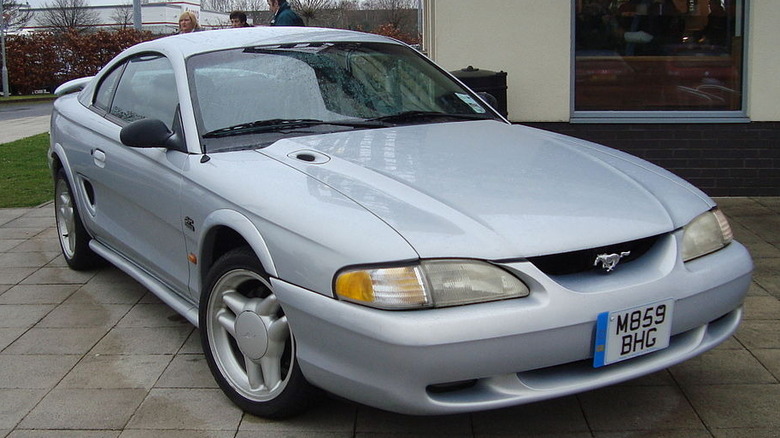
(628, 333)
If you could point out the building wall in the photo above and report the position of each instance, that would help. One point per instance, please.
(763, 60)
(528, 39)
(532, 41)
(158, 18)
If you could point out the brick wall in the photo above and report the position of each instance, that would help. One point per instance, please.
(720, 159)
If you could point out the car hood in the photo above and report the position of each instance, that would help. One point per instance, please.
(486, 189)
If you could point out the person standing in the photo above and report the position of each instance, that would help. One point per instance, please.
(238, 19)
(188, 22)
(283, 14)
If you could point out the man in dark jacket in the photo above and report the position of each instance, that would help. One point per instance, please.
(283, 14)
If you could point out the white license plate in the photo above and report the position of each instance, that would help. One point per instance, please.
(628, 333)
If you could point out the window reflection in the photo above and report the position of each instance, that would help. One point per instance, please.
(658, 55)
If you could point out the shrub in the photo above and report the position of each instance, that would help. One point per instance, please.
(390, 30)
(45, 60)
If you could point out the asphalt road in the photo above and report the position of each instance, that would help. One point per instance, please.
(11, 111)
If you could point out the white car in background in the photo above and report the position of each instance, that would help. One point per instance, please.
(335, 212)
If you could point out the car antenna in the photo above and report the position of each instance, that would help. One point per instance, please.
(205, 158)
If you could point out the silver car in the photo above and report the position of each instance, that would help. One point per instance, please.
(338, 214)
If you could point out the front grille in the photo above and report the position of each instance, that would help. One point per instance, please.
(582, 261)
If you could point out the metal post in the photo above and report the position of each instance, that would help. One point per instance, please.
(136, 15)
(3, 26)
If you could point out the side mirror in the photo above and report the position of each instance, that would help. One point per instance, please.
(150, 133)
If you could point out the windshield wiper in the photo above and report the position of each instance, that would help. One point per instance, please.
(272, 125)
(408, 116)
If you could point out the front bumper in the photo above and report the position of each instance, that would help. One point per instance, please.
(499, 354)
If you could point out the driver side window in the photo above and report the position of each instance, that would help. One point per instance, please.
(146, 90)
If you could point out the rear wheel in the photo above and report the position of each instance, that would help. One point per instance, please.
(247, 339)
(73, 237)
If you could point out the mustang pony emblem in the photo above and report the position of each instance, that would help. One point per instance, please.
(609, 261)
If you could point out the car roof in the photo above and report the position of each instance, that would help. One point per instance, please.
(213, 40)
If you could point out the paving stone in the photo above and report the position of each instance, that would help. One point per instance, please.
(758, 247)
(85, 315)
(16, 403)
(552, 417)
(313, 434)
(9, 335)
(21, 433)
(14, 275)
(27, 221)
(741, 207)
(157, 433)
(187, 371)
(767, 275)
(25, 259)
(38, 294)
(722, 367)
(38, 245)
(762, 307)
(152, 315)
(56, 341)
(765, 227)
(750, 432)
(730, 344)
(330, 416)
(624, 408)
(34, 371)
(759, 334)
(116, 371)
(23, 315)
(737, 406)
(200, 409)
(108, 293)
(87, 409)
(9, 244)
(770, 359)
(58, 276)
(684, 433)
(21, 234)
(143, 340)
(192, 345)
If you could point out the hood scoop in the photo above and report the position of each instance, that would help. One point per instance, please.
(309, 156)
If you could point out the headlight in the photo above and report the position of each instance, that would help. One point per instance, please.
(436, 283)
(707, 233)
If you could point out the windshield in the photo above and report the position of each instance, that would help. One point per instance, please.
(251, 97)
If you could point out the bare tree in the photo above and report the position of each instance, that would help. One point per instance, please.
(123, 16)
(64, 15)
(342, 13)
(15, 15)
(393, 10)
(311, 9)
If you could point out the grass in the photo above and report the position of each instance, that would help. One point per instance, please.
(25, 98)
(25, 180)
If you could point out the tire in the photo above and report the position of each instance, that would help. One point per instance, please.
(258, 370)
(73, 237)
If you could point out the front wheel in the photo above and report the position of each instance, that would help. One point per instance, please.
(73, 237)
(247, 340)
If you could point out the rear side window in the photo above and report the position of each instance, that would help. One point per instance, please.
(106, 89)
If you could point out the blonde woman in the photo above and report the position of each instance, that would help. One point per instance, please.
(188, 22)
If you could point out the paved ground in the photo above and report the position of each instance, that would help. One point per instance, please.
(95, 355)
(11, 130)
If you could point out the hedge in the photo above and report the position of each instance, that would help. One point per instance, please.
(43, 61)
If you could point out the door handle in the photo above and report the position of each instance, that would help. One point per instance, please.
(99, 157)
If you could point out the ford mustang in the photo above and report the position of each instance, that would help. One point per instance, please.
(336, 213)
